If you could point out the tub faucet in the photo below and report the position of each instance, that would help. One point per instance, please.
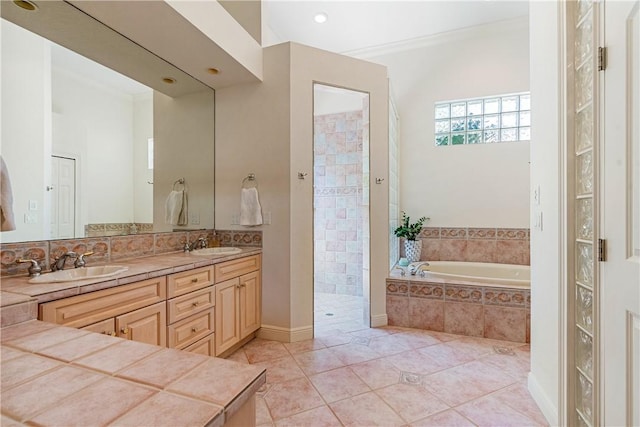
(417, 266)
(58, 264)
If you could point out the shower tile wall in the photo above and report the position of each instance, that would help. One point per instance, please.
(338, 224)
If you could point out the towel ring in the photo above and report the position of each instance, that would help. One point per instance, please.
(180, 182)
(251, 178)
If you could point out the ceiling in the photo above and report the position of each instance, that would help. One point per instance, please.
(356, 25)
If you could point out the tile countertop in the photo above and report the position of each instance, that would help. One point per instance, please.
(17, 290)
(54, 375)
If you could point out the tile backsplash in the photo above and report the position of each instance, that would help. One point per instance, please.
(499, 245)
(114, 248)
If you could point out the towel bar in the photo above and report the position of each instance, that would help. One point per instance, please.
(250, 178)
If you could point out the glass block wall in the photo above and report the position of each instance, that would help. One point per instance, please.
(581, 23)
(394, 185)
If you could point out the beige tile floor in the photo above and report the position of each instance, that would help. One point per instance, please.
(351, 375)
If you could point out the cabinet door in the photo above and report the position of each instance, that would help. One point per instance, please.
(205, 346)
(148, 325)
(107, 327)
(227, 315)
(250, 306)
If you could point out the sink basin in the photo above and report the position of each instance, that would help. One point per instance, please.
(83, 273)
(225, 250)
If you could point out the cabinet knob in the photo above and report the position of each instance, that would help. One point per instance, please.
(112, 333)
(243, 285)
(194, 280)
(194, 330)
(124, 331)
(195, 304)
(237, 286)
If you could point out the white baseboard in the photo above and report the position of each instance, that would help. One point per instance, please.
(549, 410)
(276, 333)
(379, 320)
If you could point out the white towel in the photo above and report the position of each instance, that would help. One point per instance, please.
(7, 221)
(176, 208)
(250, 210)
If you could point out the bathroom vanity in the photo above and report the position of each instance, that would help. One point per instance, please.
(93, 339)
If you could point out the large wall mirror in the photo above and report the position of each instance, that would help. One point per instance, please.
(90, 151)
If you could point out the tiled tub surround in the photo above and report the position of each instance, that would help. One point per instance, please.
(115, 248)
(499, 245)
(462, 308)
(54, 375)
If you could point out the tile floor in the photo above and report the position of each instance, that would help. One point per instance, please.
(350, 375)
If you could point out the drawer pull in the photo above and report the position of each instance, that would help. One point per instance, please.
(194, 280)
(195, 304)
(194, 330)
(243, 285)
(124, 331)
(111, 334)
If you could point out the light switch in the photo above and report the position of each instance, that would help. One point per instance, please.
(235, 219)
(194, 218)
(266, 218)
(33, 205)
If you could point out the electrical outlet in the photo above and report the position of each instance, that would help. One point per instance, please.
(33, 205)
(266, 218)
(30, 218)
(536, 195)
(235, 219)
(194, 218)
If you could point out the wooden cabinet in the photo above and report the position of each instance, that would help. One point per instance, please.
(191, 308)
(208, 310)
(238, 302)
(84, 310)
(145, 325)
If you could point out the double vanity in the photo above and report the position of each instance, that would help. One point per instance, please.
(123, 330)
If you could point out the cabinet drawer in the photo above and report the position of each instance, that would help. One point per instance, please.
(106, 327)
(83, 310)
(182, 307)
(205, 346)
(189, 281)
(190, 330)
(237, 267)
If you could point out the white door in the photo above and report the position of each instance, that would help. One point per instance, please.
(620, 217)
(63, 196)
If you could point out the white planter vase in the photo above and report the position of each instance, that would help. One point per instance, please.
(412, 250)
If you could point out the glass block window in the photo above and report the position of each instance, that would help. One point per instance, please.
(503, 118)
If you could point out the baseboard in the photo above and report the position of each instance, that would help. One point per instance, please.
(379, 320)
(549, 410)
(276, 333)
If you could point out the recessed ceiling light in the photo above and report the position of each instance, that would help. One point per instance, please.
(25, 4)
(213, 71)
(169, 80)
(320, 18)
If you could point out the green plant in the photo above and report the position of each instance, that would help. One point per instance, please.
(408, 230)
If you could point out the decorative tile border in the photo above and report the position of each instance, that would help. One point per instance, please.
(112, 248)
(429, 290)
(472, 294)
(116, 229)
(505, 297)
(397, 287)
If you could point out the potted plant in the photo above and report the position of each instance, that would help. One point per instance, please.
(410, 231)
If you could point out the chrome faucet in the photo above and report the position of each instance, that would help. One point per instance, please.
(58, 263)
(417, 266)
(201, 243)
(80, 262)
(34, 268)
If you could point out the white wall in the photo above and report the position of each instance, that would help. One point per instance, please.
(461, 186)
(26, 126)
(184, 136)
(328, 100)
(142, 175)
(547, 173)
(103, 118)
(267, 128)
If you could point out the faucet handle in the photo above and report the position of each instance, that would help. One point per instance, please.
(34, 268)
(80, 262)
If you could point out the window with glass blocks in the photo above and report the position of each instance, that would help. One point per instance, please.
(501, 118)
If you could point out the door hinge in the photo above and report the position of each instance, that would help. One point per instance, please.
(602, 249)
(602, 58)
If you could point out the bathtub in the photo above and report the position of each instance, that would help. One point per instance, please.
(508, 275)
(465, 298)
